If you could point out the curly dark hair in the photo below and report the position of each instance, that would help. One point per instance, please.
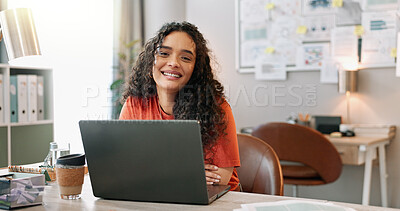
(200, 99)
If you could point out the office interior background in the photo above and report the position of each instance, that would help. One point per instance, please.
(78, 42)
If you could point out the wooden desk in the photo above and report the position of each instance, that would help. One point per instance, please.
(360, 150)
(229, 201)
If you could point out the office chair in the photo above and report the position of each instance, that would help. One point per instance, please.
(316, 160)
(259, 171)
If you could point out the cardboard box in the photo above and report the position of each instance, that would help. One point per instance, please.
(21, 189)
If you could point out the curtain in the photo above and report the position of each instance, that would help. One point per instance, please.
(128, 27)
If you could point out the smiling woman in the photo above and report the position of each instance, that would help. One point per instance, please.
(173, 79)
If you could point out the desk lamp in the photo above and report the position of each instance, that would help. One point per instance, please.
(348, 83)
(19, 33)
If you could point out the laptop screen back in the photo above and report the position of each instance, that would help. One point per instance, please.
(145, 160)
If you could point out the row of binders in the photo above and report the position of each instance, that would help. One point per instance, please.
(26, 98)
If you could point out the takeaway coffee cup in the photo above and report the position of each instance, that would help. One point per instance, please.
(70, 173)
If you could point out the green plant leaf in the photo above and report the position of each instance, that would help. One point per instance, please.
(116, 84)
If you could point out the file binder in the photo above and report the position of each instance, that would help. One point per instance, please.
(32, 98)
(1, 99)
(13, 99)
(40, 98)
(22, 98)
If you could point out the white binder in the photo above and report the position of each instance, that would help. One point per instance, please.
(40, 98)
(32, 98)
(22, 98)
(1, 99)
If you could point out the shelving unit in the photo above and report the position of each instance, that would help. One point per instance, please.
(26, 142)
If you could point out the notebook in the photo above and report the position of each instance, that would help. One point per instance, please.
(147, 160)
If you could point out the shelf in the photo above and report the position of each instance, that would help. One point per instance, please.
(40, 122)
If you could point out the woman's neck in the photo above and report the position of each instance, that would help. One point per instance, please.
(166, 101)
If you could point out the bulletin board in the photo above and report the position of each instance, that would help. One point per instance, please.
(276, 36)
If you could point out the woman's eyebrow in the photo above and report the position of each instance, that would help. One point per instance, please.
(170, 48)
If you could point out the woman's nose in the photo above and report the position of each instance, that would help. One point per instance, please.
(173, 62)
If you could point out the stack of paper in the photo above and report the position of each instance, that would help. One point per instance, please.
(375, 130)
(293, 205)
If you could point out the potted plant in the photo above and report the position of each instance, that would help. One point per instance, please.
(126, 58)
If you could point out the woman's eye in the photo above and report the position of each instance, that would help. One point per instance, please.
(185, 58)
(163, 54)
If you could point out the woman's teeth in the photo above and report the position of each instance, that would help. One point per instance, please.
(171, 74)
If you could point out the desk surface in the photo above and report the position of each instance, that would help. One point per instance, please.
(230, 201)
(358, 140)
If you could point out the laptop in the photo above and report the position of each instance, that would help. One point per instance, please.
(147, 160)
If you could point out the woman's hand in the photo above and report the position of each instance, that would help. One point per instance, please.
(211, 175)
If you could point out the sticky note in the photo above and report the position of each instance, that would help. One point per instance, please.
(269, 50)
(337, 3)
(301, 30)
(270, 6)
(393, 52)
(359, 30)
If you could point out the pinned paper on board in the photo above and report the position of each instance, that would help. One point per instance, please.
(285, 8)
(319, 28)
(301, 30)
(270, 67)
(253, 10)
(344, 44)
(380, 22)
(312, 55)
(270, 6)
(358, 30)
(317, 7)
(393, 52)
(377, 49)
(348, 14)
(337, 3)
(398, 55)
(380, 4)
(269, 50)
(330, 71)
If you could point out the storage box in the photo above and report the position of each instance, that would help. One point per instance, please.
(21, 189)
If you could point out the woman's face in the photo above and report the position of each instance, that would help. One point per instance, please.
(174, 62)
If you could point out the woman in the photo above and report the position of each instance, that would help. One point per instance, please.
(173, 79)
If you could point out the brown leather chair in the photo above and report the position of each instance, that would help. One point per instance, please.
(320, 162)
(259, 171)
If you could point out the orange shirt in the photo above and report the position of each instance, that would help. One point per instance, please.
(226, 151)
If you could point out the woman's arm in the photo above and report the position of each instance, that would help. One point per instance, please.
(215, 175)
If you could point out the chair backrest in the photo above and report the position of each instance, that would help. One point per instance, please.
(259, 171)
(298, 143)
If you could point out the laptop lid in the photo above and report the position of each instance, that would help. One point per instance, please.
(146, 160)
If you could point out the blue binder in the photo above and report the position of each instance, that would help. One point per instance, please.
(13, 99)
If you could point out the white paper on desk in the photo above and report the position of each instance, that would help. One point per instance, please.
(312, 55)
(285, 8)
(312, 7)
(270, 67)
(344, 45)
(318, 27)
(253, 10)
(329, 71)
(348, 14)
(296, 205)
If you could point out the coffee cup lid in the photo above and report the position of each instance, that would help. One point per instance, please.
(72, 160)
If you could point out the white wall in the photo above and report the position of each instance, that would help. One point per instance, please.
(256, 102)
(158, 12)
(76, 40)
